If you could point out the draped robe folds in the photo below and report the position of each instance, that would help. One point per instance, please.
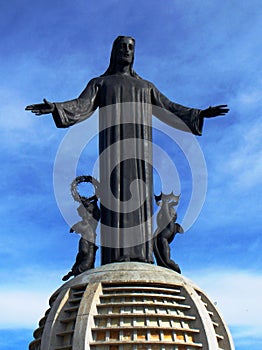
(126, 105)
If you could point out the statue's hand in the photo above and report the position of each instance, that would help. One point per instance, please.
(215, 111)
(67, 276)
(179, 229)
(41, 108)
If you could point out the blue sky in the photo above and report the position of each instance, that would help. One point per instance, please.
(198, 53)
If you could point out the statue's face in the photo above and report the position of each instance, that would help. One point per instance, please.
(125, 51)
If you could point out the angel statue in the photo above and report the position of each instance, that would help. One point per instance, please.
(90, 214)
(166, 230)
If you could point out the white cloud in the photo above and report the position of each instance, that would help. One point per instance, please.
(237, 295)
(239, 168)
(22, 309)
(248, 337)
(24, 301)
(248, 98)
(244, 162)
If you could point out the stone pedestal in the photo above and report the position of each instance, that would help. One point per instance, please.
(131, 306)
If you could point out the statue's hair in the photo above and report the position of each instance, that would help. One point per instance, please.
(112, 65)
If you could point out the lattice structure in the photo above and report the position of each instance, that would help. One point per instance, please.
(131, 306)
(131, 315)
(216, 319)
(65, 322)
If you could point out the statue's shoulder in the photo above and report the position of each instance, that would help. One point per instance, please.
(141, 82)
(117, 80)
(102, 80)
(96, 81)
(149, 84)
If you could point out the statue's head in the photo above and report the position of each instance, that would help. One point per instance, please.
(167, 198)
(123, 52)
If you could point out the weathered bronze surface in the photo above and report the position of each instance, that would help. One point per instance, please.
(166, 230)
(125, 236)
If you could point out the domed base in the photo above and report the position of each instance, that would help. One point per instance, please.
(131, 305)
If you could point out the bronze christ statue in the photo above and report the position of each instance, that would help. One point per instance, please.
(126, 104)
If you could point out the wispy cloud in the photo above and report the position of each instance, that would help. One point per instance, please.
(28, 296)
(236, 294)
(16, 304)
(197, 56)
(247, 337)
(244, 163)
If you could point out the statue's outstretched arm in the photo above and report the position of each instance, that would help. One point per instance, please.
(41, 108)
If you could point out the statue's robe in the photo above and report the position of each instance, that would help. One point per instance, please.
(126, 105)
